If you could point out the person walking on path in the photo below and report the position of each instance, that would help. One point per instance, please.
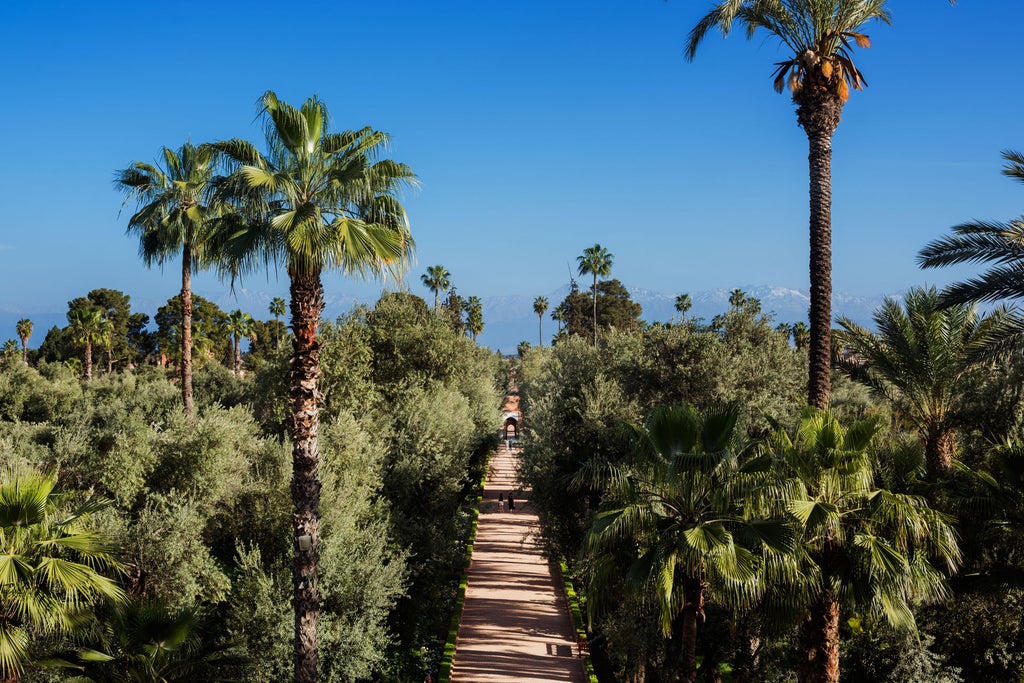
(511, 502)
(501, 502)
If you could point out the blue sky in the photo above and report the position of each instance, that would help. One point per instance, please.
(537, 129)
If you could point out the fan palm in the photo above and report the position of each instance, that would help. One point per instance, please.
(683, 304)
(316, 201)
(1001, 244)
(239, 325)
(677, 518)
(147, 641)
(51, 566)
(438, 279)
(87, 325)
(277, 309)
(474, 316)
(24, 328)
(596, 261)
(864, 549)
(540, 307)
(820, 36)
(922, 359)
(177, 214)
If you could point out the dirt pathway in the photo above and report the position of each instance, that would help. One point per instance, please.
(515, 623)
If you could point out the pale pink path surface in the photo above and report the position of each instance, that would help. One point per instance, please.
(515, 623)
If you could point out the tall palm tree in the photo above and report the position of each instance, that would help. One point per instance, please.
(676, 517)
(540, 306)
(820, 36)
(737, 298)
(438, 279)
(683, 304)
(52, 567)
(984, 242)
(239, 325)
(558, 315)
(596, 261)
(177, 214)
(922, 359)
(277, 309)
(317, 201)
(474, 316)
(24, 329)
(87, 326)
(864, 550)
(801, 335)
(106, 337)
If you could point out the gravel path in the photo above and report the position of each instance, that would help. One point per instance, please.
(515, 623)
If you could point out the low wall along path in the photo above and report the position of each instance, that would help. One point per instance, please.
(515, 623)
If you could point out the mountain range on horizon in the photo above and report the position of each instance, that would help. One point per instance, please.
(509, 319)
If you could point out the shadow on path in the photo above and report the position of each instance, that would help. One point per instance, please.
(515, 624)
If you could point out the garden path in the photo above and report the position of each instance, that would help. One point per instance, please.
(515, 622)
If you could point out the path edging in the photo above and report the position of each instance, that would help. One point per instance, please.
(577, 617)
(448, 657)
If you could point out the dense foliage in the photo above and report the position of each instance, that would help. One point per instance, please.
(200, 514)
(853, 489)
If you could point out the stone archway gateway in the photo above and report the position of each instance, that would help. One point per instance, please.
(511, 418)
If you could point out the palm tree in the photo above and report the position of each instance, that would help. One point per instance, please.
(737, 298)
(51, 566)
(820, 71)
(474, 316)
(318, 201)
(239, 325)
(801, 335)
(106, 337)
(596, 261)
(676, 515)
(177, 214)
(24, 328)
(87, 325)
(558, 315)
(923, 358)
(540, 306)
(149, 641)
(683, 304)
(438, 279)
(865, 550)
(984, 242)
(277, 309)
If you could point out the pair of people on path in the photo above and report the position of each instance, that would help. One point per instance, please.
(511, 502)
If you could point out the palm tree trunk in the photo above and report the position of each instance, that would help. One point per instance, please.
(540, 329)
(939, 446)
(693, 590)
(437, 297)
(110, 361)
(819, 642)
(238, 356)
(306, 306)
(595, 311)
(186, 325)
(24, 351)
(819, 113)
(88, 360)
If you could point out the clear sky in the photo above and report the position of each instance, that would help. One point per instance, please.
(537, 128)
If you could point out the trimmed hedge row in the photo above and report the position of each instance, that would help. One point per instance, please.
(577, 618)
(444, 675)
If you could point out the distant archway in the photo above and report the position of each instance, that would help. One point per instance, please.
(513, 424)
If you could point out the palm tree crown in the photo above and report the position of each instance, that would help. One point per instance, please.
(438, 279)
(596, 261)
(51, 566)
(1000, 244)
